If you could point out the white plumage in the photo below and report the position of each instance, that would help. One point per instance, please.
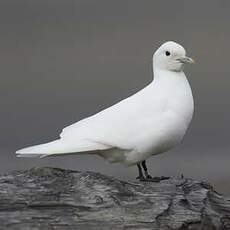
(150, 122)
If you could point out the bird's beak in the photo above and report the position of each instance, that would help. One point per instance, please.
(186, 60)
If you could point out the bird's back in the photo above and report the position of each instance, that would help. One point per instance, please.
(115, 124)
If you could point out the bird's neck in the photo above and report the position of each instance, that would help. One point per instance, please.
(168, 76)
(170, 80)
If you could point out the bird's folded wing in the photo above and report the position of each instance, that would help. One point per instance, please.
(108, 131)
(116, 126)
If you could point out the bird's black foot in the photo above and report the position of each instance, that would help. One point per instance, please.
(159, 178)
(141, 178)
(148, 177)
(153, 179)
(145, 176)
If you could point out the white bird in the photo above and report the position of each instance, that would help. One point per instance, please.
(149, 122)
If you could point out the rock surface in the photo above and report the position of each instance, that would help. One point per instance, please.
(50, 198)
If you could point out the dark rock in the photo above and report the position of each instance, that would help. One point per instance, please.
(50, 198)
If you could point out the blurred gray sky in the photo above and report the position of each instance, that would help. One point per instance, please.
(64, 60)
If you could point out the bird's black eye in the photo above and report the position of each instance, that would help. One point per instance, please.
(167, 53)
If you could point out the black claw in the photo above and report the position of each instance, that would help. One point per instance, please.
(140, 178)
(154, 179)
(148, 177)
(159, 178)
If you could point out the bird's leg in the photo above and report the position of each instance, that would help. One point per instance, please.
(143, 163)
(148, 177)
(141, 176)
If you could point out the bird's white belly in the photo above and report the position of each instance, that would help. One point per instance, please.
(169, 134)
(152, 142)
(157, 141)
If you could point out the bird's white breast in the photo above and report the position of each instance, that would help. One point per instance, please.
(173, 98)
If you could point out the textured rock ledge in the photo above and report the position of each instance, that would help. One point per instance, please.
(50, 198)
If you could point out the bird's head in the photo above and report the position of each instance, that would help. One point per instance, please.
(171, 56)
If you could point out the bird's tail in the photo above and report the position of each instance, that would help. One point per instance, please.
(60, 147)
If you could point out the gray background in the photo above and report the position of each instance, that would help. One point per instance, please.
(64, 60)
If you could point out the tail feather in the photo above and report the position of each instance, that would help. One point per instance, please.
(59, 147)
